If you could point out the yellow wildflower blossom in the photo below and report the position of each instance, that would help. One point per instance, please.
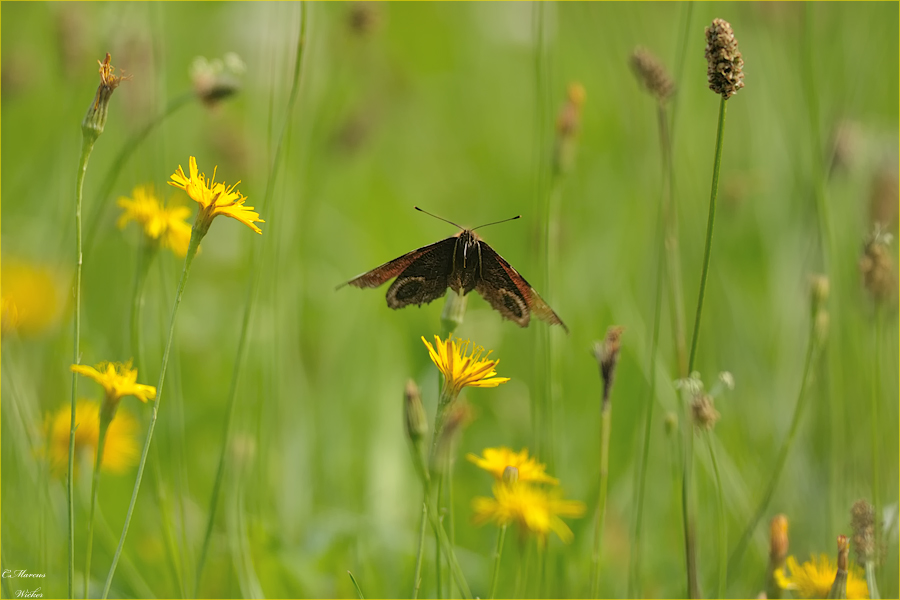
(813, 578)
(120, 450)
(214, 198)
(166, 225)
(462, 368)
(29, 299)
(118, 380)
(536, 510)
(496, 460)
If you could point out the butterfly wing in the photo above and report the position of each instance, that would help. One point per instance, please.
(421, 275)
(508, 292)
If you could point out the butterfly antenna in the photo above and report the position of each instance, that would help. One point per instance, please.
(437, 217)
(498, 222)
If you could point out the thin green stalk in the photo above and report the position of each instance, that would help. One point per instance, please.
(498, 552)
(686, 496)
(417, 576)
(875, 437)
(605, 427)
(635, 560)
(356, 585)
(87, 146)
(452, 526)
(105, 420)
(802, 400)
(721, 526)
(248, 305)
(871, 580)
(438, 566)
(191, 253)
(720, 134)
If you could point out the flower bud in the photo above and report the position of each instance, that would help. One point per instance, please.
(416, 421)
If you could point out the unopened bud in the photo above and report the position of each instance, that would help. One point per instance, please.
(607, 355)
(95, 119)
(839, 587)
(416, 421)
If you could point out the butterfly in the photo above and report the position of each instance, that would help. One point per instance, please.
(463, 262)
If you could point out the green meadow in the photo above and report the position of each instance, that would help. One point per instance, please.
(280, 457)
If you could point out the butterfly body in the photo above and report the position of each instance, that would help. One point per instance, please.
(463, 263)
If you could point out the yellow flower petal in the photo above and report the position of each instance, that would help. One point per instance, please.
(462, 367)
(535, 510)
(495, 461)
(120, 451)
(118, 381)
(813, 579)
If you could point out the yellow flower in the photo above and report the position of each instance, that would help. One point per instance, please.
(214, 198)
(535, 510)
(29, 300)
(118, 380)
(496, 460)
(813, 578)
(120, 451)
(462, 368)
(167, 225)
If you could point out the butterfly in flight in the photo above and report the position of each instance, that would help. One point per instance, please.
(463, 262)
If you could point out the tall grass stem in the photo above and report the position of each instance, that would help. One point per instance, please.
(95, 488)
(498, 554)
(87, 146)
(721, 524)
(605, 429)
(188, 259)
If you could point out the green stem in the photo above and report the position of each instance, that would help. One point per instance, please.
(734, 561)
(635, 561)
(871, 581)
(248, 305)
(448, 468)
(875, 437)
(721, 526)
(417, 577)
(720, 134)
(356, 586)
(438, 566)
(605, 423)
(191, 253)
(498, 552)
(87, 146)
(105, 193)
(686, 500)
(105, 420)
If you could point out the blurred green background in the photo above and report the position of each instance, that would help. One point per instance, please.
(450, 107)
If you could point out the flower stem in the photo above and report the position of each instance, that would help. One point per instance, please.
(875, 437)
(87, 146)
(811, 350)
(687, 504)
(720, 522)
(605, 423)
(501, 535)
(417, 577)
(188, 259)
(105, 420)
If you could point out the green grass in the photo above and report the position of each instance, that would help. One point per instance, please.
(436, 107)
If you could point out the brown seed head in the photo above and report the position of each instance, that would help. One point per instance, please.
(862, 521)
(95, 119)
(652, 74)
(877, 270)
(607, 355)
(725, 70)
(704, 411)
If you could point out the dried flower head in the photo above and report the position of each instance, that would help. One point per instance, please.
(95, 119)
(607, 355)
(862, 521)
(877, 269)
(725, 70)
(704, 412)
(652, 74)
